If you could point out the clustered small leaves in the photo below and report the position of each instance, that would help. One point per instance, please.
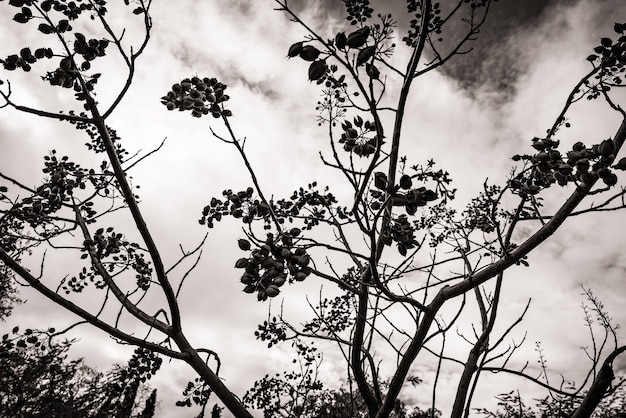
(611, 54)
(142, 365)
(200, 96)
(70, 72)
(319, 70)
(270, 265)
(294, 391)
(435, 21)
(239, 205)
(96, 144)
(242, 205)
(34, 338)
(197, 392)
(311, 205)
(334, 315)
(355, 139)
(78, 283)
(64, 177)
(358, 11)
(272, 331)
(332, 106)
(480, 212)
(411, 200)
(116, 254)
(582, 165)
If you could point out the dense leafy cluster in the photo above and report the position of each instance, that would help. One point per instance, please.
(142, 365)
(309, 205)
(200, 96)
(582, 165)
(268, 267)
(64, 177)
(272, 331)
(435, 21)
(355, 139)
(239, 205)
(70, 72)
(25, 58)
(358, 11)
(402, 232)
(70, 9)
(335, 315)
(38, 380)
(611, 57)
(411, 199)
(481, 213)
(116, 254)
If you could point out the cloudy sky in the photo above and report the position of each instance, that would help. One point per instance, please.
(470, 117)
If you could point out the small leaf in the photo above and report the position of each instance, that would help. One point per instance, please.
(294, 50)
(138, 11)
(317, 69)
(45, 29)
(20, 18)
(64, 26)
(358, 38)
(340, 41)
(406, 182)
(380, 180)
(621, 164)
(365, 54)
(241, 263)
(272, 290)
(372, 71)
(309, 53)
(250, 288)
(244, 244)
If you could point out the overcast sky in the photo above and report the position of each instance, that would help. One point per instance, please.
(471, 118)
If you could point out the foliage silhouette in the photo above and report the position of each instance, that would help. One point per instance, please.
(37, 380)
(398, 209)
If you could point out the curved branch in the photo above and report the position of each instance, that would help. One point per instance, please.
(77, 310)
(599, 386)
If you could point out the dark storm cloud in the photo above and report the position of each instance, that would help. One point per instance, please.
(493, 62)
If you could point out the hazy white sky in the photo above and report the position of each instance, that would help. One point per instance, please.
(470, 119)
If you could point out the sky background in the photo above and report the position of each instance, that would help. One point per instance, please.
(471, 118)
